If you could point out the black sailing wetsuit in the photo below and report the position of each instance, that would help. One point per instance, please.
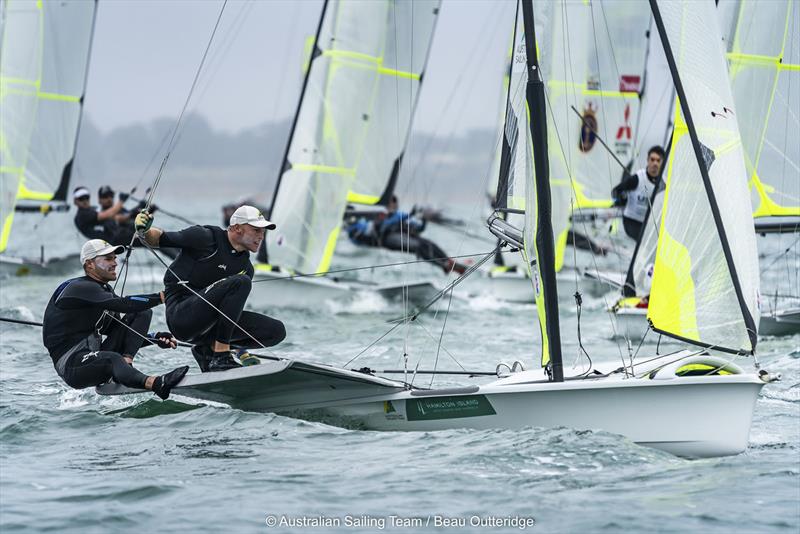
(72, 333)
(92, 228)
(223, 276)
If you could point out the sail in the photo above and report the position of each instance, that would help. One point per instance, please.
(640, 271)
(764, 61)
(705, 282)
(609, 42)
(44, 59)
(524, 184)
(352, 124)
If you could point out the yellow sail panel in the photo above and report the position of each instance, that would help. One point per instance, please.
(327, 254)
(672, 296)
(6, 232)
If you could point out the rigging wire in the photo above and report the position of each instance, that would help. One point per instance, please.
(367, 267)
(176, 129)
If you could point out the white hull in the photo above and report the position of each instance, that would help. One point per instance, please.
(672, 415)
(13, 266)
(693, 416)
(631, 322)
(780, 323)
(275, 289)
(516, 287)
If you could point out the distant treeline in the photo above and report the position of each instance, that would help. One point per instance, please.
(438, 170)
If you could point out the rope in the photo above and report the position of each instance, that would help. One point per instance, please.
(170, 145)
(201, 297)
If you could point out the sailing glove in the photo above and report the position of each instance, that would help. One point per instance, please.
(143, 222)
(165, 340)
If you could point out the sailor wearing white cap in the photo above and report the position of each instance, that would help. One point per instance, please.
(83, 310)
(215, 263)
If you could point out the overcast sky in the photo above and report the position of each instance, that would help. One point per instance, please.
(146, 52)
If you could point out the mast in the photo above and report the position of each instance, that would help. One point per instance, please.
(544, 242)
(705, 158)
(315, 51)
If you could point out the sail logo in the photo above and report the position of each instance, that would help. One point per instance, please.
(622, 143)
(624, 131)
(588, 128)
(629, 83)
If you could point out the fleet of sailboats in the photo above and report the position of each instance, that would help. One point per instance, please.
(704, 290)
(44, 60)
(732, 157)
(347, 143)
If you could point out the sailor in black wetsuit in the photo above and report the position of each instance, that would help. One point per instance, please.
(96, 223)
(215, 266)
(84, 309)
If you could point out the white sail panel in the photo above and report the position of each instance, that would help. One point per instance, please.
(352, 124)
(700, 293)
(43, 61)
(563, 68)
(764, 59)
(615, 37)
(644, 263)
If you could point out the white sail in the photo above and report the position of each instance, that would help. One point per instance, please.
(615, 39)
(705, 285)
(644, 261)
(764, 59)
(43, 62)
(352, 124)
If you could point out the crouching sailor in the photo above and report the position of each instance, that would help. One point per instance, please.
(84, 309)
(207, 286)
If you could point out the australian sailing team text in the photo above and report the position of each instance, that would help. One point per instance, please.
(396, 521)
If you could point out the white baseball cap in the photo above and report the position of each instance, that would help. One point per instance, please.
(97, 247)
(80, 192)
(252, 216)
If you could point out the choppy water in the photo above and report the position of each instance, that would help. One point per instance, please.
(73, 461)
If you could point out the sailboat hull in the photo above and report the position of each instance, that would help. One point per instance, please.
(705, 417)
(277, 289)
(516, 287)
(13, 266)
(780, 323)
(691, 416)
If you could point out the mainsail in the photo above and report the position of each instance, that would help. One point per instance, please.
(764, 60)
(352, 123)
(524, 183)
(44, 60)
(705, 283)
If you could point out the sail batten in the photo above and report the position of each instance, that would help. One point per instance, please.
(352, 123)
(705, 281)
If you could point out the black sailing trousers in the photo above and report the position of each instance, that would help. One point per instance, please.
(88, 368)
(191, 319)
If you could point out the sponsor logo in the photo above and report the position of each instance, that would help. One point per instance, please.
(629, 83)
(624, 133)
(223, 266)
(588, 128)
(448, 407)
